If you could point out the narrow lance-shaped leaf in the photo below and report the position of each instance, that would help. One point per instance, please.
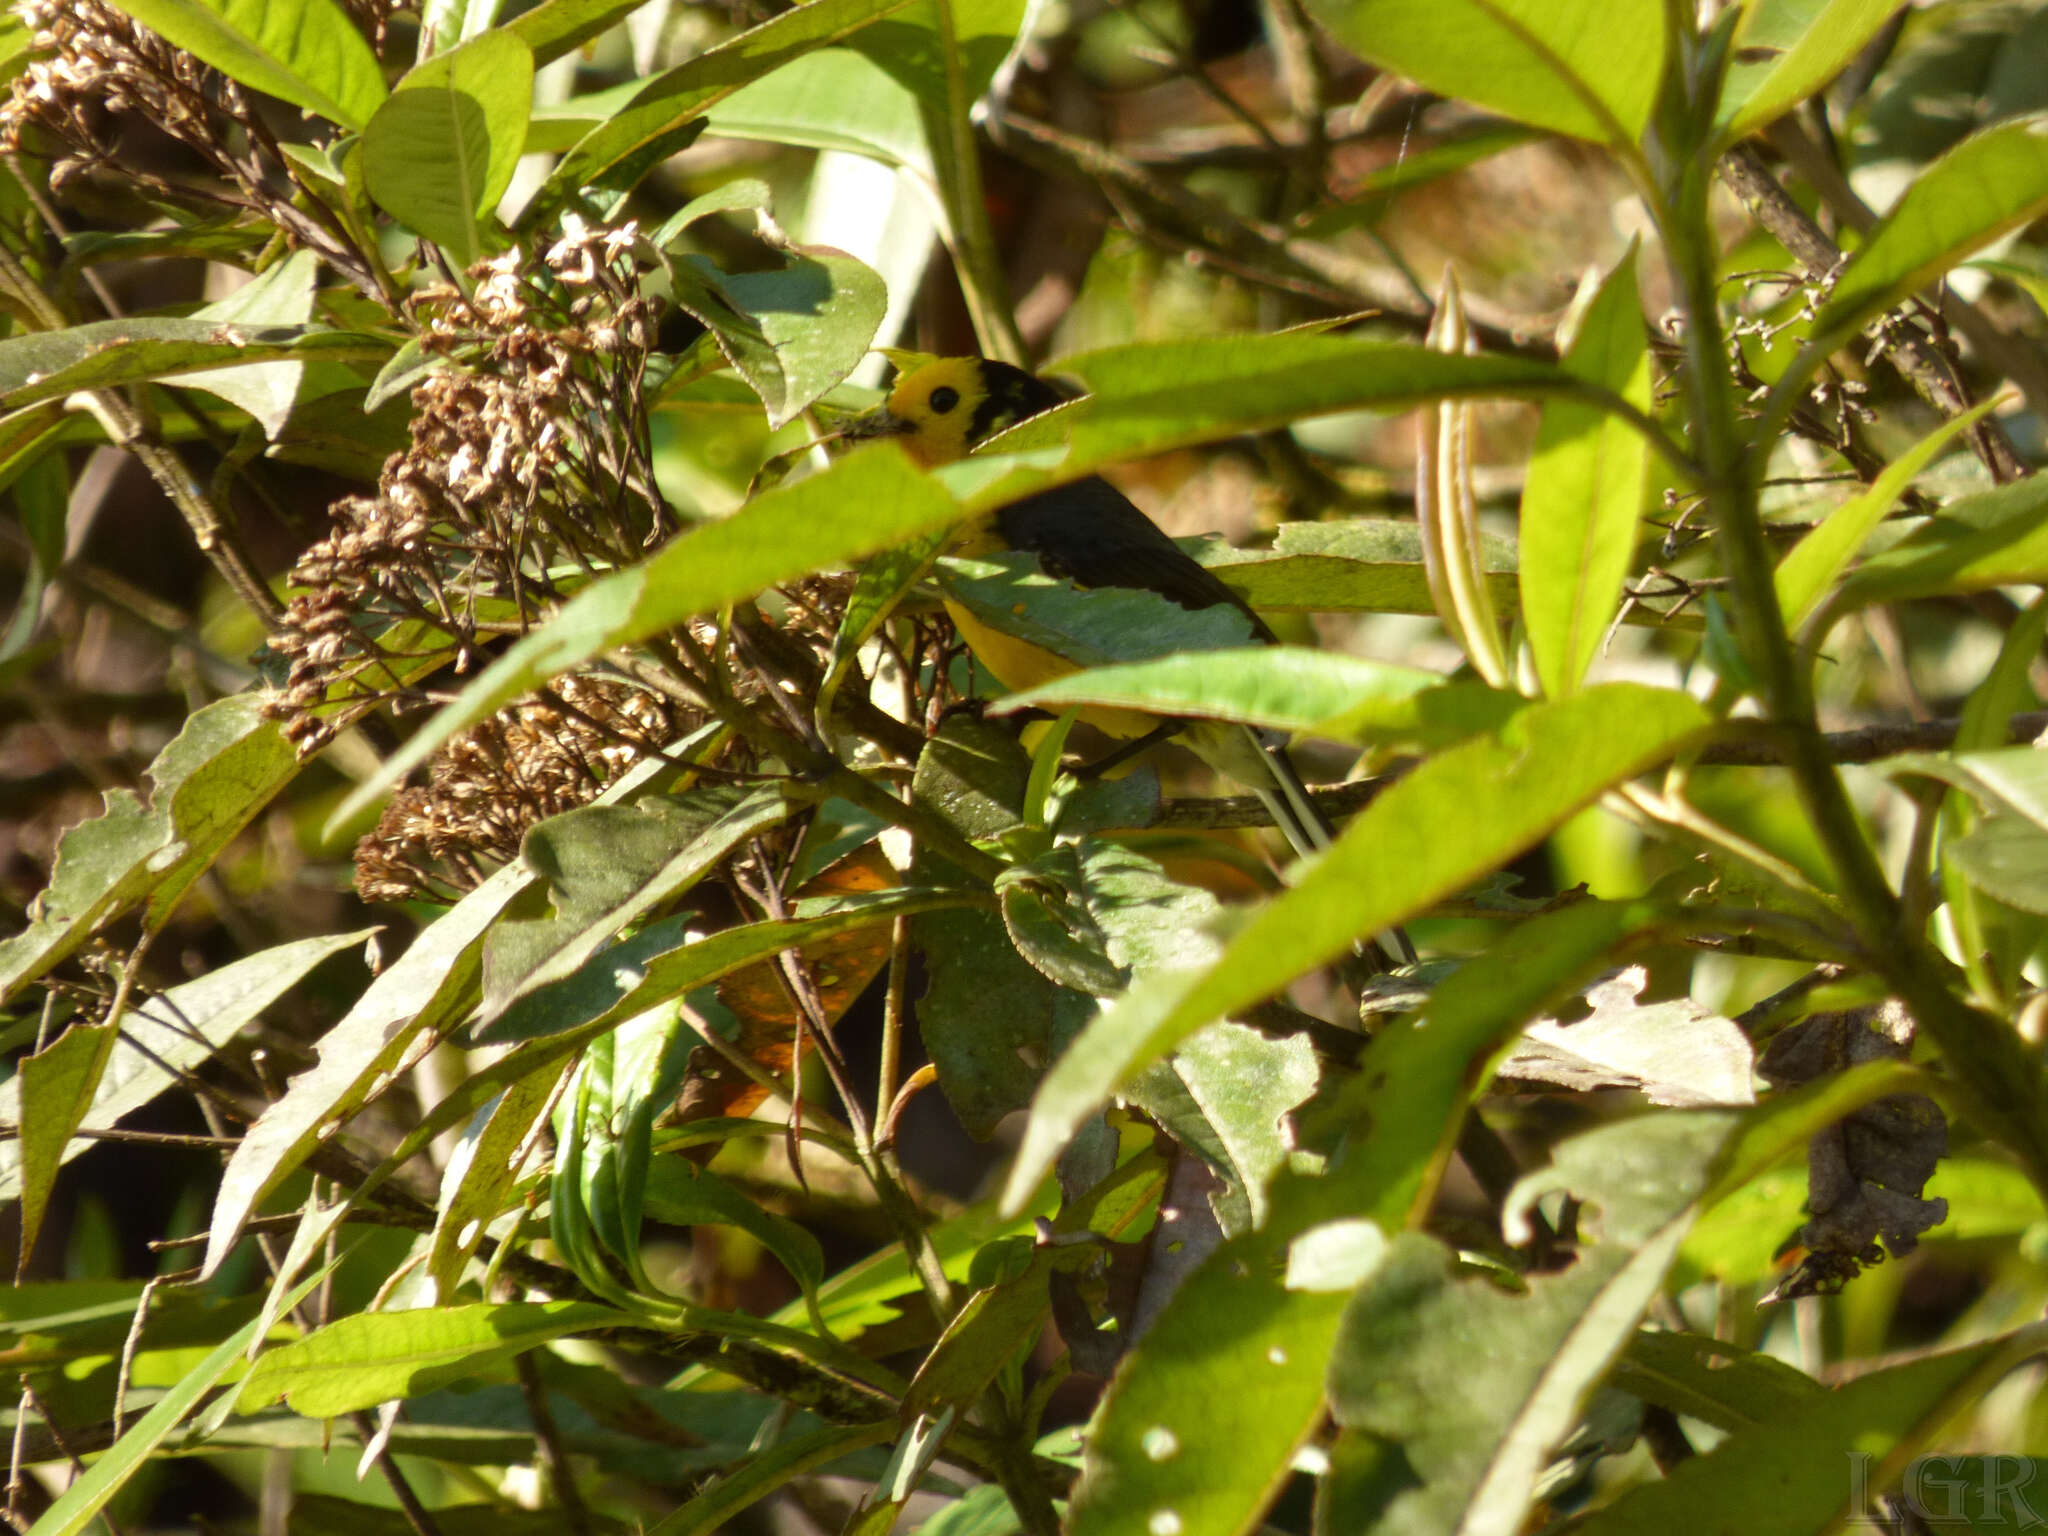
(1585, 488)
(1991, 183)
(1153, 396)
(1812, 565)
(1803, 45)
(49, 365)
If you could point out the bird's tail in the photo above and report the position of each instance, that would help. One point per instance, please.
(1263, 767)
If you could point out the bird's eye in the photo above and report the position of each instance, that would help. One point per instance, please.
(944, 398)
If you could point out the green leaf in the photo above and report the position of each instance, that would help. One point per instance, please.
(1992, 182)
(80, 1503)
(1791, 1471)
(867, 501)
(1811, 566)
(1711, 1380)
(55, 1087)
(1235, 1368)
(1282, 687)
(48, 365)
(1359, 565)
(1993, 539)
(441, 150)
(1589, 68)
(668, 101)
(1414, 1329)
(2007, 857)
(881, 584)
(208, 784)
(1461, 815)
(392, 1025)
(1152, 396)
(176, 1032)
(306, 52)
(556, 28)
(684, 1195)
(1804, 43)
(2012, 779)
(607, 865)
(1585, 490)
(805, 327)
(377, 1357)
(281, 296)
(481, 1174)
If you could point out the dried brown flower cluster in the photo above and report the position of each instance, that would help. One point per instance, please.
(528, 474)
(531, 761)
(90, 65)
(526, 467)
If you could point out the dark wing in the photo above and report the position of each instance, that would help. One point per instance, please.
(1091, 534)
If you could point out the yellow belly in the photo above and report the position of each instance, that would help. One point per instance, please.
(1020, 664)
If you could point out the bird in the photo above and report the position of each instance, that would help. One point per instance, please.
(1090, 534)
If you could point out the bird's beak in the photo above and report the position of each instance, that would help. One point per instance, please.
(880, 422)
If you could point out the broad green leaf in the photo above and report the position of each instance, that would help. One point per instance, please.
(441, 150)
(281, 296)
(376, 1357)
(306, 52)
(868, 501)
(660, 962)
(175, 1032)
(208, 784)
(1461, 815)
(1283, 687)
(391, 1026)
(804, 328)
(556, 28)
(1811, 566)
(1993, 539)
(2006, 856)
(1413, 1330)
(668, 101)
(1585, 490)
(1589, 68)
(77, 1507)
(607, 865)
(1992, 182)
(1149, 397)
(1803, 45)
(48, 365)
(834, 98)
(1791, 1472)
(1234, 1371)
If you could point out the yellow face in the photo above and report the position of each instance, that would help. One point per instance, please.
(934, 408)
